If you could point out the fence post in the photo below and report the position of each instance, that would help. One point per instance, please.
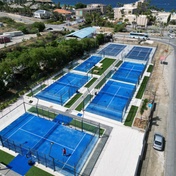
(1, 141)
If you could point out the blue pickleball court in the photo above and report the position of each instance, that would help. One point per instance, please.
(60, 91)
(139, 53)
(112, 100)
(112, 49)
(44, 140)
(129, 72)
(88, 64)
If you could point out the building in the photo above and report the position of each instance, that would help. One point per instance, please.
(163, 16)
(83, 33)
(91, 8)
(127, 9)
(42, 14)
(67, 14)
(128, 12)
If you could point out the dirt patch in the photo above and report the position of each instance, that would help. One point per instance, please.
(140, 123)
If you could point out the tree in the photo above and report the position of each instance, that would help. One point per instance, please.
(100, 39)
(80, 5)
(39, 25)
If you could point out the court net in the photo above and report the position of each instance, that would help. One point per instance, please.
(114, 95)
(44, 138)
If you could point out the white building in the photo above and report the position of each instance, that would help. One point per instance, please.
(91, 8)
(128, 12)
(42, 14)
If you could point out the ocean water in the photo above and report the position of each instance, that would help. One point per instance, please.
(167, 5)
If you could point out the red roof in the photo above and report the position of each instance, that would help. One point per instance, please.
(62, 11)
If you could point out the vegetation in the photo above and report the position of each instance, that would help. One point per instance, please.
(42, 112)
(80, 5)
(72, 101)
(90, 82)
(33, 92)
(34, 61)
(119, 63)
(36, 171)
(5, 158)
(142, 87)
(82, 105)
(25, 28)
(144, 106)
(150, 68)
(85, 126)
(131, 115)
(106, 63)
(101, 83)
(57, 76)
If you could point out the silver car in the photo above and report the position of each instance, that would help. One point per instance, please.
(158, 142)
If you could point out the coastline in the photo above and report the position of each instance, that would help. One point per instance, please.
(167, 6)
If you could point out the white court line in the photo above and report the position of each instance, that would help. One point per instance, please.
(73, 151)
(130, 71)
(112, 98)
(20, 127)
(45, 139)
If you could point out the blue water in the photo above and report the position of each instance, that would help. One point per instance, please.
(167, 5)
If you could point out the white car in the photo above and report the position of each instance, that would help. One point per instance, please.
(158, 142)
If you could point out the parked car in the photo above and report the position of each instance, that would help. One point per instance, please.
(158, 142)
(49, 29)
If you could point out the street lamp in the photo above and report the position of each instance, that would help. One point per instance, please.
(51, 145)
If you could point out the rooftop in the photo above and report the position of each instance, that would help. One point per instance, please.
(83, 33)
(62, 11)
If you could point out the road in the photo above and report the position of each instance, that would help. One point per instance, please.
(163, 163)
(170, 168)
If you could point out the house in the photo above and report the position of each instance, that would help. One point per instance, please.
(91, 8)
(67, 14)
(42, 14)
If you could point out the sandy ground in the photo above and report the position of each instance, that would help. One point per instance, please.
(159, 87)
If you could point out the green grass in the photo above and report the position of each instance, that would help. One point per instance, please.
(86, 126)
(101, 83)
(90, 82)
(150, 68)
(36, 90)
(57, 76)
(5, 158)
(105, 65)
(42, 112)
(72, 101)
(119, 63)
(142, 87)
(131, 115)
(34, 171)
(81, 105)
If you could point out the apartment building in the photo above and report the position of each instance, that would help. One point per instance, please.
(91, 8)
(128, 12)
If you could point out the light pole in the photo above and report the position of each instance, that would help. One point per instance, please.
(51, 145)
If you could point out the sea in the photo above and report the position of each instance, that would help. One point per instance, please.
(166, 5)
